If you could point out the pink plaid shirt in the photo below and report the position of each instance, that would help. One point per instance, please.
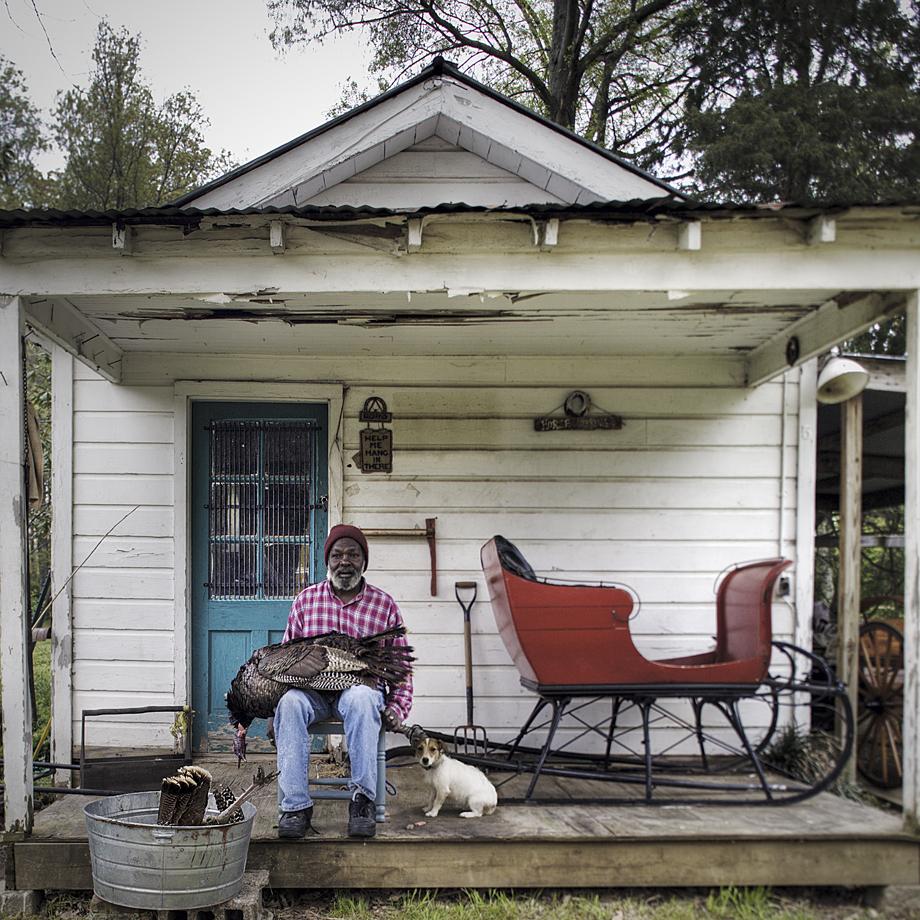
(317, 610)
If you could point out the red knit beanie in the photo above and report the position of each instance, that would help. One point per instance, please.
(345, 530)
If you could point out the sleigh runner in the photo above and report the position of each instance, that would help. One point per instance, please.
(736, 720)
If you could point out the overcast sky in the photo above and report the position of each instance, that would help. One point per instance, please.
(254, 97)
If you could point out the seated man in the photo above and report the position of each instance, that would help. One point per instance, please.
(344, 603)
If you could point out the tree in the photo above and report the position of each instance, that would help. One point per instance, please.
(122, 149)
(605, 68)
(803, 99)
(21, 139)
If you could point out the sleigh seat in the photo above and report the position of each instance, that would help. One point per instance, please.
(570, 635)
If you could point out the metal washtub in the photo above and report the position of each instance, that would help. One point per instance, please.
(137, 863)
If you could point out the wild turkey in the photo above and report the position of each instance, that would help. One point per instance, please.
(331, 662)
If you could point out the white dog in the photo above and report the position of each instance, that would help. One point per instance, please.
(451, 779)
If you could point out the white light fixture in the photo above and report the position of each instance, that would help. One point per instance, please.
(840, 379)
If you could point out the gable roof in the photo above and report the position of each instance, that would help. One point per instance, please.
(438, 103)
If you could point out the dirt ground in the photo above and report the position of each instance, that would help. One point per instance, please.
(899, 903)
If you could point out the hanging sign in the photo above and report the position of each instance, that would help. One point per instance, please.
(578, 417)
(376, 454)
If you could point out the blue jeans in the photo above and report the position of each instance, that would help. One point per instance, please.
(358, 707)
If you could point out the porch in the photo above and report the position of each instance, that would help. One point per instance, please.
(825, 841)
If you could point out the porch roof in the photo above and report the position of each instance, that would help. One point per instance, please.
(728, 286)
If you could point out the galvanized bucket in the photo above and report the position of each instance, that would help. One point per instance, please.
(137, 863)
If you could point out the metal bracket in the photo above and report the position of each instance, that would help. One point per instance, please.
(428, 533)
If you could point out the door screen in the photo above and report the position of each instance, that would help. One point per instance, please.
(261, 491)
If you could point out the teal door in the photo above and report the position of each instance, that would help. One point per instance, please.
(259, 495)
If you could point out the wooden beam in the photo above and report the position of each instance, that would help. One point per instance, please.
(276, 237)
(911, 728)
(821, 229)
(65, 325)
(883, 498)
(690, 235)
(14, 604)
(62, 561)
(546, 234)
(848, 590)
(717, 269)
(816, 333)
(874, 426)
(414, 228)
(874, 466)
(892, 540)
(804, 552)
(884, 373)
(122, 239)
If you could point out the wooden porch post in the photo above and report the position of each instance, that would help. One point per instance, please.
(14, 607)
(911, 725)
(848, 585)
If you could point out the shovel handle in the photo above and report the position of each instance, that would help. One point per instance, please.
(462, 586)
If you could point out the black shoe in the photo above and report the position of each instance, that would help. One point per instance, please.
(295, 824)
(361, 817)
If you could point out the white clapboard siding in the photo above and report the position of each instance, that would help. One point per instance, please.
(412, 178)
(123, 459)
(519, 434)
(123, 613)
(695, 481)
(123, 645)
(695, 464)
(125, 583)
(146, 521)
(97, 489)
(512, 501)
(107, 675)
(149, 730)
(495, 401)
(125, 427)
(117, 551)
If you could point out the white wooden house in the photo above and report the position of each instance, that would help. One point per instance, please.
(471, 264)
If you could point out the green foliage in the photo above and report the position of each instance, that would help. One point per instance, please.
(882, 567)
(41, 668)
(21, 138)
(886, 338)
(38, 392)
(609, 70)
(350, 908)
(803, 100)
(733, 903)
(123, 150)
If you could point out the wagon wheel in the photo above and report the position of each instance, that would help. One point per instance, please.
(881, 702)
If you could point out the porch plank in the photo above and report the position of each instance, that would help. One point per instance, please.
(824, 841)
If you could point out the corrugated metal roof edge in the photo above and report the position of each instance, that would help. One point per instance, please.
(637, 209)
(438, 67)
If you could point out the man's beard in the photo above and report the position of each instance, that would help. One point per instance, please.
(345, 582)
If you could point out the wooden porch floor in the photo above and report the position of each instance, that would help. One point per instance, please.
(824, 841)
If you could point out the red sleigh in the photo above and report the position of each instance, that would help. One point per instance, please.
(573, 647)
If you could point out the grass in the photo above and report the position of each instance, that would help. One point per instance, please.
(718, 904)
(41, 668)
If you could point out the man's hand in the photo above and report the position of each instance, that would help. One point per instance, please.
(391, 721)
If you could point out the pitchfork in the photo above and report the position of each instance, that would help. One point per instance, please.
(469, 738)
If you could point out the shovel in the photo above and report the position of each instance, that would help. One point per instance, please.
(469, 738)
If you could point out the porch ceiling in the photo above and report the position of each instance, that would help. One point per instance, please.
(655, 323)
